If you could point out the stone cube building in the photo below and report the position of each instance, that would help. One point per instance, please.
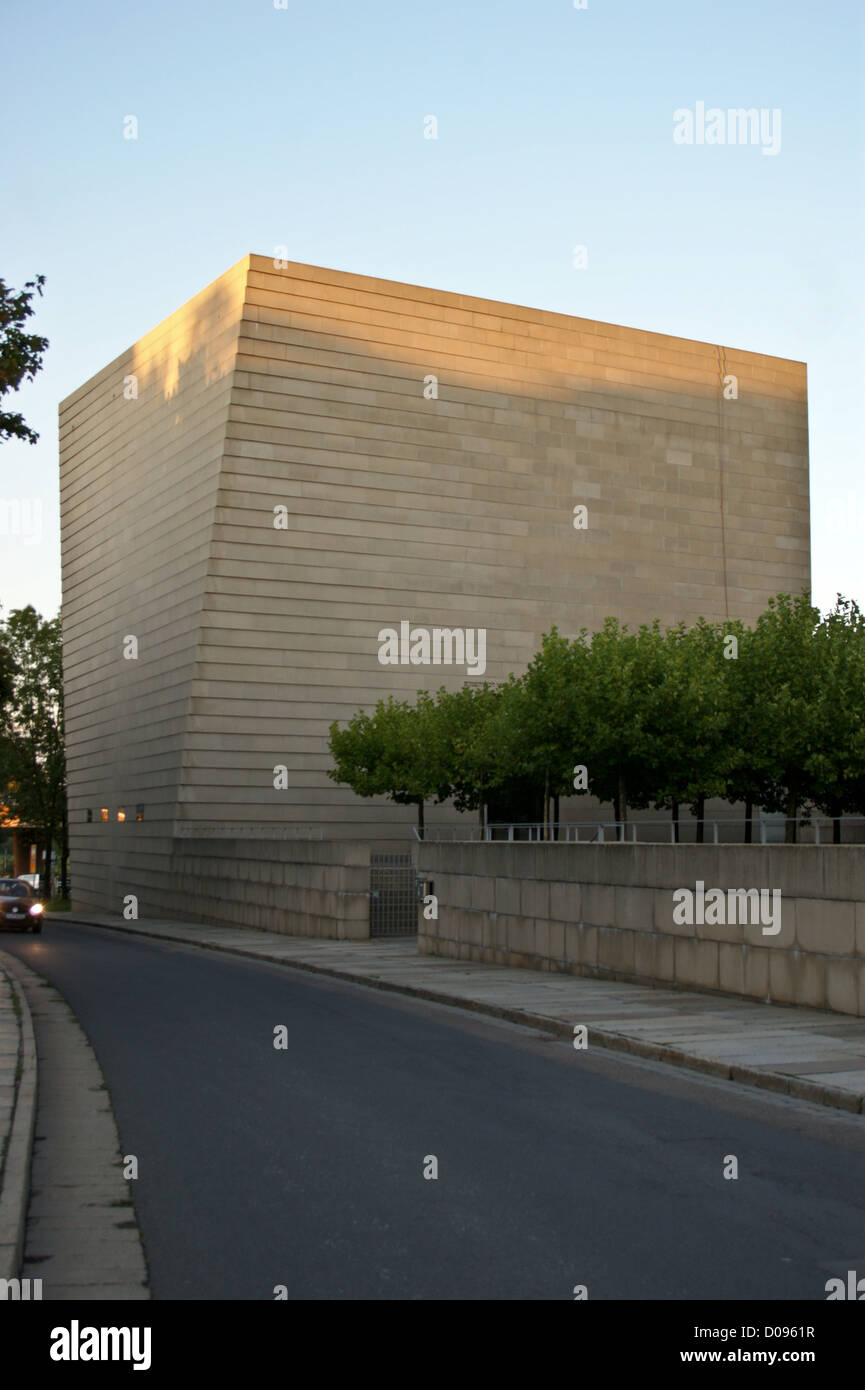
(299, 459)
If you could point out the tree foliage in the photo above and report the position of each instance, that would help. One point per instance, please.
(773, 716)
(835, 760)
(389, 753)
(32, 744)
(20, 353)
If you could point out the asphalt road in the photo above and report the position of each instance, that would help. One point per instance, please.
(304, 1167)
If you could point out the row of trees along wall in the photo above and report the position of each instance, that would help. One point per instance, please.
(772, 716)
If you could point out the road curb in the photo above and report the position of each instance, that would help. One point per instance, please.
(15, 1192)
(791, 1086)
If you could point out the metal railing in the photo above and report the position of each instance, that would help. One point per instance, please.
(764, 831)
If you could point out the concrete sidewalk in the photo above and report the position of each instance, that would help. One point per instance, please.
(806, 1053)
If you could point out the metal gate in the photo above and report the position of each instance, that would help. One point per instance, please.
(393, 903)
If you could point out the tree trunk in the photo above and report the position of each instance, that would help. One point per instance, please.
(790, 819)
(64, 855)
(749, 817)
(836, 830)
(421, 829)
(675, 812)
(623, 805)
(547, 804)
(701, 812)
(46, 879)
(556, 817)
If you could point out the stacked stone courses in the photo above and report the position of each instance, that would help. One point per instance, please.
(607, 911)
(320, 889)
(304, 388)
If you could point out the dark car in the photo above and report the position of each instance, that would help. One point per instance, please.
(19, 905)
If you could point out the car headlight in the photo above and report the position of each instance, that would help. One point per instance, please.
(37, 908)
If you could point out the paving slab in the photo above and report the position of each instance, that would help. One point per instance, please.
(849, 1081)
(811, 1054)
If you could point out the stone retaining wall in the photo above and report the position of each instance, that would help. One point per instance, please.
(607, 910)
(299, 887)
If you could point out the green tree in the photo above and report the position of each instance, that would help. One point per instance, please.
(32, 743)
(470, 739)
(783, 686)
(552, 719)
(750, 760)
(704, 717)
(6, 672)
(623, 674)
(391, 752)
(20, 353)
(836, 760)
(674, 721)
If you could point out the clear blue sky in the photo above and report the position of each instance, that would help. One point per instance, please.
(303, 127)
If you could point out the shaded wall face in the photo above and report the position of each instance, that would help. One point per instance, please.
(140, 450)
(422, 455)
(312, 888)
